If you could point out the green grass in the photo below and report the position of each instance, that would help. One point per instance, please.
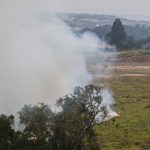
(131, 130)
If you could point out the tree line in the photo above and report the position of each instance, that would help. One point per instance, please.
(119, 38)
(123, 36)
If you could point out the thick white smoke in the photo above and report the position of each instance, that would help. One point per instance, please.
(109, 101)
(40, 59)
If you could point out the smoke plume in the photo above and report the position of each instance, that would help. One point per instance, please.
(40, 59)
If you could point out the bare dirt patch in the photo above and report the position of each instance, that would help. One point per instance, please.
(133, 75)
(131, 67)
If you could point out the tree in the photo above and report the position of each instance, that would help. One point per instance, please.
(37, 120)
(117, 36)
(71, 128)
(6, 132)
(77, 118)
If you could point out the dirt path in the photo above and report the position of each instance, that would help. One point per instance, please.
(131, 67)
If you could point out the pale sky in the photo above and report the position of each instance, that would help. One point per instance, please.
(133, 9)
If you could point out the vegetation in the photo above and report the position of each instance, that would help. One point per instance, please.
(117, 36)
(123, 36)
(6, 131)
(131, 130)
(138, 32)
(69, 129)
(74, 127)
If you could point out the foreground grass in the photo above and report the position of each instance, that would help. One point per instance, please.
(131, 130)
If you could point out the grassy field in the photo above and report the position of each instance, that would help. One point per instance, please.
(131, 130)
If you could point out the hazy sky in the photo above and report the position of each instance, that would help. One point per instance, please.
(134, 9)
